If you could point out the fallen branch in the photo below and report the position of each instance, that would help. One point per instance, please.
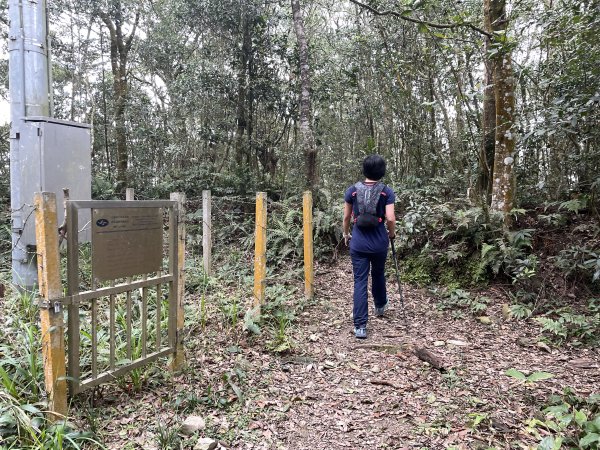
(404, 16)
(386, 383)
(425, 355)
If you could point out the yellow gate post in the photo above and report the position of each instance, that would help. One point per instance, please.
(309, 274)
(51, 315)
(178, 359)
(260, 250)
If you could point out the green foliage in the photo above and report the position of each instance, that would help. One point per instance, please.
(579, 260)
(520, 311)
(454, 299)
(574, 205)
(418, 269)
(459, 246)
(278, 317)
(571, 421)
(167, 437)
(23, 423)
(529, 379)
(231, 310)
(578, 328)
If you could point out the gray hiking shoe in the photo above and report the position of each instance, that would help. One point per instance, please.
(360, 333)
(380, 311)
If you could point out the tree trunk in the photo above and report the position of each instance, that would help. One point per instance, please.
(241, 150)
(503, 186)
(120, 45)
(488, 125)
(307, 138)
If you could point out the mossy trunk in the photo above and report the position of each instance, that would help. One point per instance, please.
(503, 178)
(307, 138)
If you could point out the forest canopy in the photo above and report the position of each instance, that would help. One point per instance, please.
(187, 95)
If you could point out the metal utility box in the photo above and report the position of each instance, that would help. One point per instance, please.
(54, 154)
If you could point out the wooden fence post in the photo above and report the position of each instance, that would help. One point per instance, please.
(129, 194)
(309, 274)
(52, 322)
(260, 250)
(207, 232)
(178, 359)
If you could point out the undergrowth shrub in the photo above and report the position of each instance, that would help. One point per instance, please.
(579, 328)
(459, 245)
(568, 421)
(550, 258)
(580, 262)
(460, 299)
(234, 226)
(23, 403)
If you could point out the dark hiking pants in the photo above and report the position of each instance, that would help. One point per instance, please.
(361, 264)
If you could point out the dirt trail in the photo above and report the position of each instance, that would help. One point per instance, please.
(335, 392)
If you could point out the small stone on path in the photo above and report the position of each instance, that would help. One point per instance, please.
(206, 444)
(192, 424)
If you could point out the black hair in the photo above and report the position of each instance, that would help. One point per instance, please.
(374, 167)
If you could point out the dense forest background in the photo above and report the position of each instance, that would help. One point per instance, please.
(189, 95)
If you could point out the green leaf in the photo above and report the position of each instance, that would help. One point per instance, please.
(515, 374)
(538, 376)
(580, 417)
(596, 424)
(236, 390)
(31, 409)
(549, 443)
(250, 321)
(485, 249)
(588, 439)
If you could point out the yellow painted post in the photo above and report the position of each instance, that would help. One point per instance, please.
(309, 274)
(178, 359)
(207, 232)
(260, 250)
(52, 321)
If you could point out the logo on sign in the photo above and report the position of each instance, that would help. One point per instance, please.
(101, 222)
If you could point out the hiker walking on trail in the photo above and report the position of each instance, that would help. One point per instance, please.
(369, 205)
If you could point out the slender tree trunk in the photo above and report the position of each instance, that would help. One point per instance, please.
(241, 150)
(120, 45)
(488, 125)
(307, 138)
(503, 186)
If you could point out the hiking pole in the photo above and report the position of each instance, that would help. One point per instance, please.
(399, 284)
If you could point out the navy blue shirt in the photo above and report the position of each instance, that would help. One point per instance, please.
(375, 240)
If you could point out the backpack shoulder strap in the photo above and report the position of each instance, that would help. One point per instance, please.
(360, 196)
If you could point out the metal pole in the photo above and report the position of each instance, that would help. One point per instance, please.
(399, 283)
(29, 96)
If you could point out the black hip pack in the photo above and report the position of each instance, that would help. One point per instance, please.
(367, 197)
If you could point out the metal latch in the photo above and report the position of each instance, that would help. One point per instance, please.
(55, 305)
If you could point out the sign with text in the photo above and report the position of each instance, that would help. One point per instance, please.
(126, 242)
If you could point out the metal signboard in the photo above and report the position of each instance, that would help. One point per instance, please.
(126, 242)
